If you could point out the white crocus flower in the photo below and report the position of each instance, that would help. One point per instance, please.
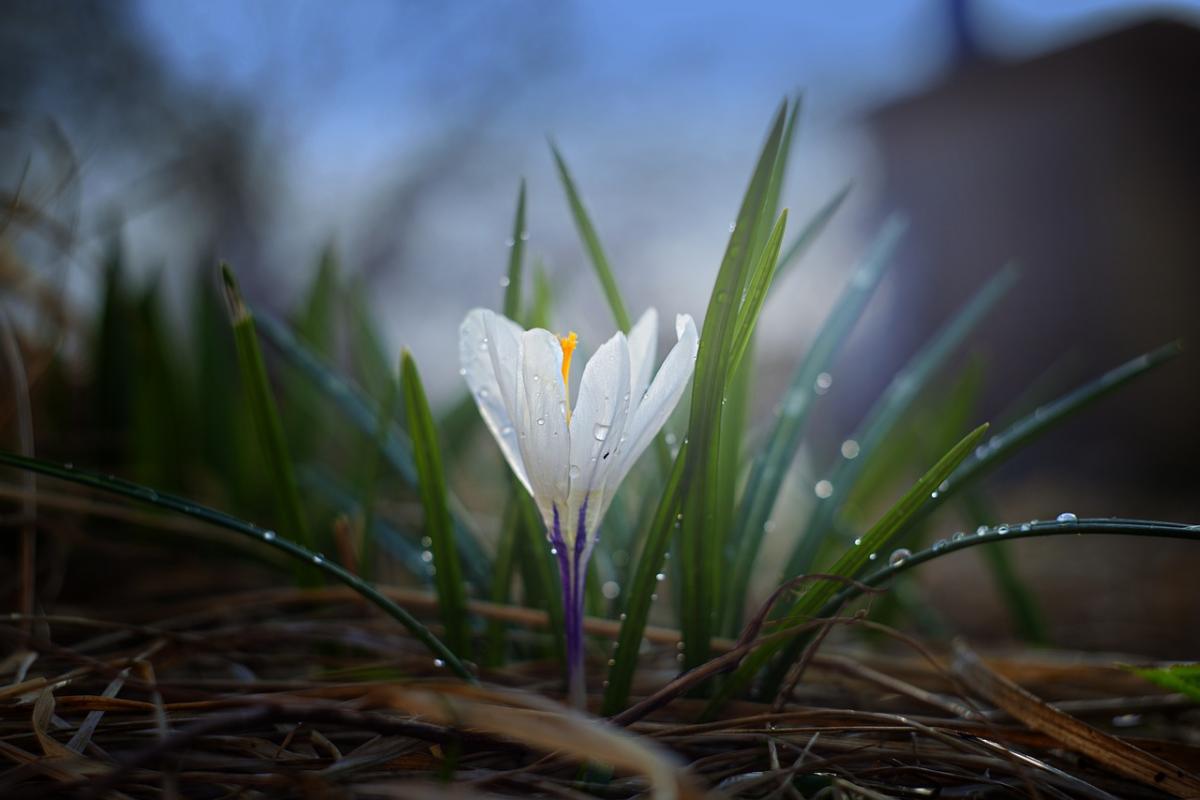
(572, 458)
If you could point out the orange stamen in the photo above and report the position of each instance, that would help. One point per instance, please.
(569, 343)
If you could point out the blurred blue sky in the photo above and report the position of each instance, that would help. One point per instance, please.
(659, 108)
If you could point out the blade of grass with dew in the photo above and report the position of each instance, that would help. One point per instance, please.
(761, 279)
(637, 597)
(266, 417)
(431, 480)
(516, 257)
(701, 541)
(179, 505)
(850, 565)
(889, 409)
(1030, 427)
(591, 242)
(1070, 526)
(363, 414)
(771, 465)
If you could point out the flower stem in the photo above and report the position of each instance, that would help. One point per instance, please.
(571, 563)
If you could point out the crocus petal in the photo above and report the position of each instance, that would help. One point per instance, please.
(541, 419)
(664, 393)
(489, 350)
(598, 432)
(643, 344)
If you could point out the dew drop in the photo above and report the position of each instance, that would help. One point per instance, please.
(981, 530)
(898, 557)
(504, 281)
(823, 489)
(1025, 526)
(318, 559)
(939, 545)
(541, 420)
(873, 556)
(654, 597)
(823, 382)
(537, 378)
(1066, 517)
(483, 394)
(462, 371)
(679, 517)
(573, 472)
(769, 526)
(612, 662)
(610, 590)
(958, 536)
(671, 439)
(509, 242)
(553, 551)
(437, 662)
(857, 541)
(933, 495)
(427, 556)
(850, 449)
(506, 430)
(1002, 529)
(426, 542)
(600, 431)
(660, 576)
(269, 535)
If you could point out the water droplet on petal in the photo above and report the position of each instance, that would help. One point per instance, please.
(573, 472)
(600, 432)
(1066, 517)
(898, 557)
(541, 420)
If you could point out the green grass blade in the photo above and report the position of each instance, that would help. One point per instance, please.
(702, 540)
(363, 414)
(372, 367)
(543, 298)
(1030, 427)
(850, 565)
(889, 409)
(810, 232)
(516, 257)
(637, 597)
(1181, 678)
(782, 441)
(452, 599)
(1066, 525)
(761, 279)
(266, 418)
(591, 243)
(179, 505)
